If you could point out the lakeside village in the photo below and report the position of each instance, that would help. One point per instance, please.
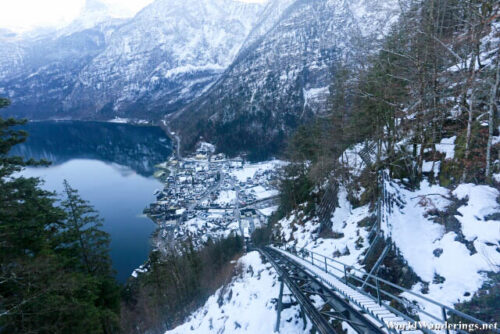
(207, 195)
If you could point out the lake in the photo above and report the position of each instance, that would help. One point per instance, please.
(111, 165)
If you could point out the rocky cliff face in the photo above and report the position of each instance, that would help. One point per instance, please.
(281, 77)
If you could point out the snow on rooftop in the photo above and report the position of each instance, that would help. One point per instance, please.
(261, 192)
(269, 211)
(226, 197)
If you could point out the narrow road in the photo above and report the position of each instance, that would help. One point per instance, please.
(176, 138)
(237, 212)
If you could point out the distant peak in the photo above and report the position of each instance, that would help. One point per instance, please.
(95, 6)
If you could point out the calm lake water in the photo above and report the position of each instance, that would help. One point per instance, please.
(111, 165)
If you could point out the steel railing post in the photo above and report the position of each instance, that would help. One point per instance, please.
(280, 306)
(326, 266)
(445, 320)
(378, 292)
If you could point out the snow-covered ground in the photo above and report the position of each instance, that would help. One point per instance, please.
(260, 192)
(430, 250)
(226, 197)
(449, 237)
(249, 170)
(246, 305)
(350, 241)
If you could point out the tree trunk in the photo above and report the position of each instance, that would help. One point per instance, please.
(469, 134)
(491, 118)
(472, 78)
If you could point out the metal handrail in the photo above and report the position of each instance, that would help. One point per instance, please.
(346, 277)
(346, 269)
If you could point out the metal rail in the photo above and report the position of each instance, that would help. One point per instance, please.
(355, 278)
(306, 289)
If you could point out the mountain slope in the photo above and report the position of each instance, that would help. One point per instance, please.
(39, 72)
(157, 61)
(281, 78)
(169, 53)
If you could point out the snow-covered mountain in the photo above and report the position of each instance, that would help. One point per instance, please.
(168, 54)
(94, 12)
(281, 78)
(99, 67)
(38, 73)
(223, 67)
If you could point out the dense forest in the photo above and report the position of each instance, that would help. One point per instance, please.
(176, 283)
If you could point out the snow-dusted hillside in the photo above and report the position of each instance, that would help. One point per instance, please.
(245, 305)
(168, 54)
(450, 260)
(259, 69)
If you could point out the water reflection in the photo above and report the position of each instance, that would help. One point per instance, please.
(111, 166)
(137, 147)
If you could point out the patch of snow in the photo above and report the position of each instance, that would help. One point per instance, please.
(119, 120)
(482, 202)
(431, 166)
(261, 193)
(142, 269)
(206, 147)
(269, 211)
(350, 242)
(447, 146)
(496, 177)
(351, 159)
(192, 69)
(315, 94)
(417, 236)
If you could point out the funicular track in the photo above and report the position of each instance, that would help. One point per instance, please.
(358, 298)
(306, 289)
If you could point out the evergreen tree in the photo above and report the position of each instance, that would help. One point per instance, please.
(82, 237)
(43, 287)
